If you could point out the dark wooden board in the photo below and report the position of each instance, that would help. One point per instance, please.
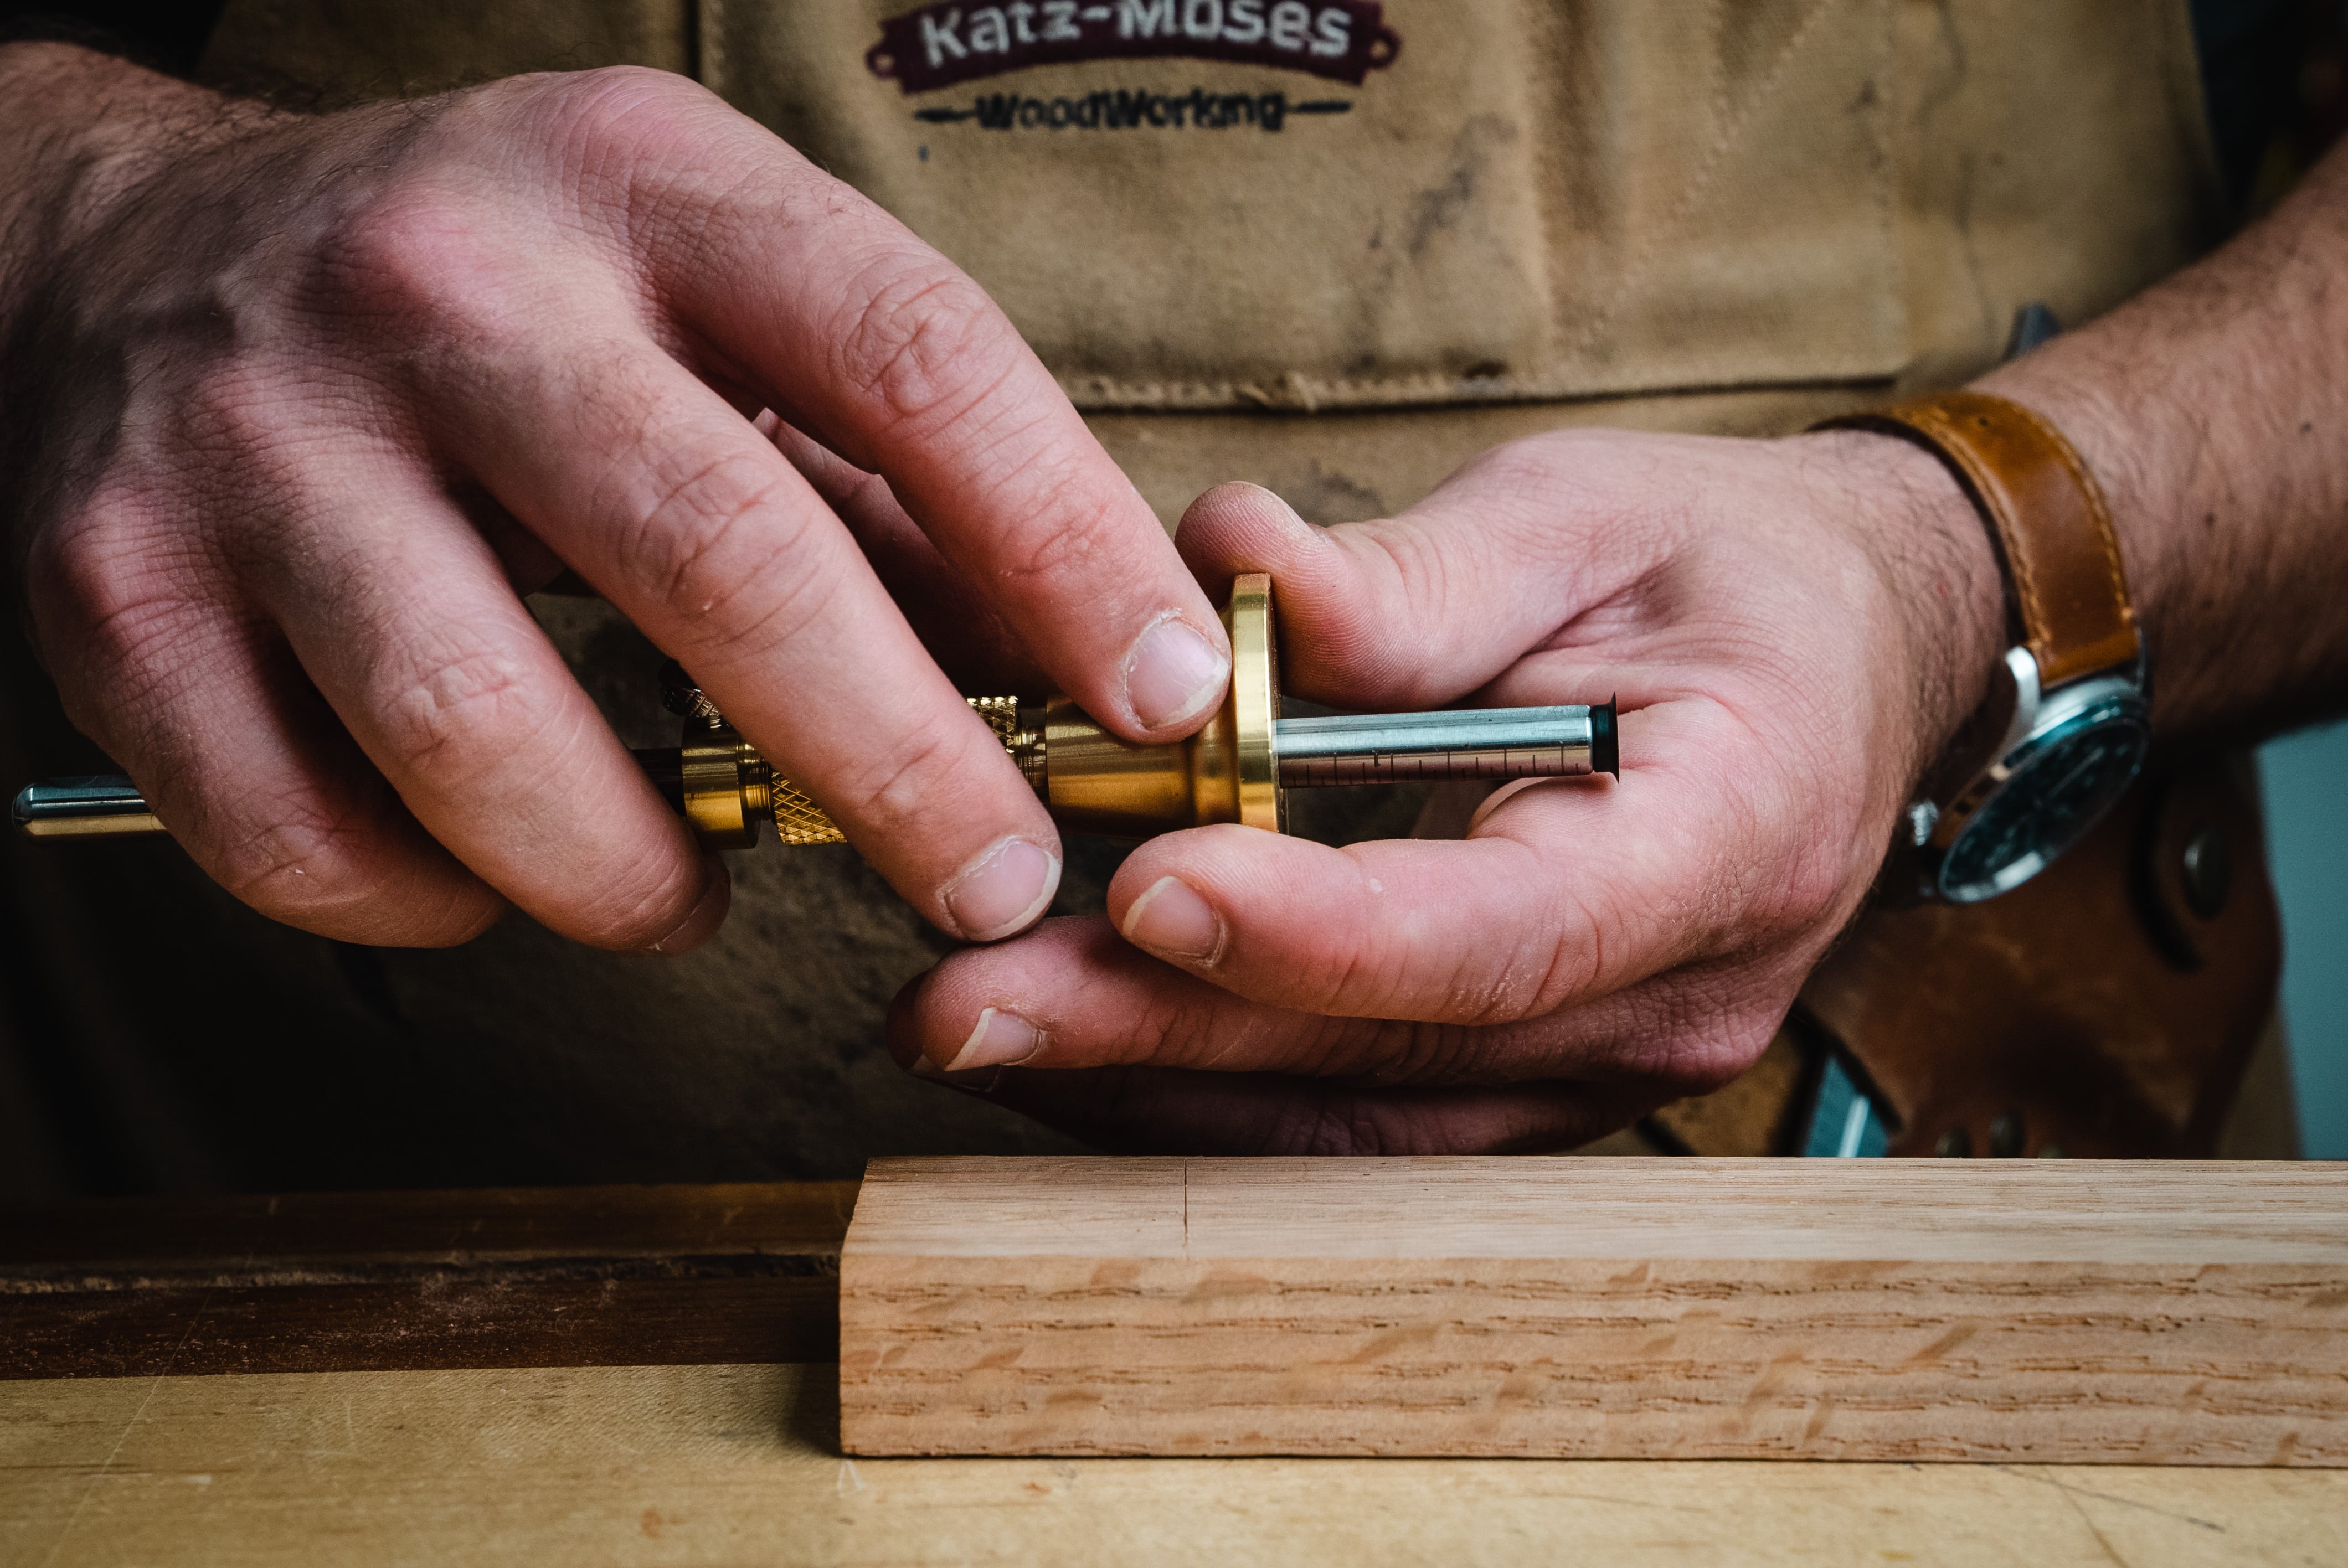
(385, 1281)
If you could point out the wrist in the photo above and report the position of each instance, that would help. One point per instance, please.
(1943, 622)
(90, 130)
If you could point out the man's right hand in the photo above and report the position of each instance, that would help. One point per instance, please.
(309, 401)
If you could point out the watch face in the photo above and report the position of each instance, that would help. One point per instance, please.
(2058, 785)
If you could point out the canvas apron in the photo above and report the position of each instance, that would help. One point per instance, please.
(1332, 246)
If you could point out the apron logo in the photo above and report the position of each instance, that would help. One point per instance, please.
(941, 44)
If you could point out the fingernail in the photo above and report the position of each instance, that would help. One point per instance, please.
(1174, 674)
(1171, 920)
(708, 914)
(1001, 1039)
(1002, 889)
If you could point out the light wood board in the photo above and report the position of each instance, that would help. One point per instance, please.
(2068, 1311)
(552, 1468)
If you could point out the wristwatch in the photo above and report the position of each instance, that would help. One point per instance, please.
(2065, 727)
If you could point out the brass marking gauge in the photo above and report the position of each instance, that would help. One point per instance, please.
(1238, 768)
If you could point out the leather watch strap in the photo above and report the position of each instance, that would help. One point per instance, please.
(2049, 516)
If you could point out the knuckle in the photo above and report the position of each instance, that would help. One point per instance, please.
(1527, 465)
(1795, 883)
(634, 111)
(1547, 952)
(1546, 964)
(301, 863)
(414, 254)
(325, 869)
(1070, 534)
(111, 591)
(1390, 1052)
(1444, 1053)
(718, 551)
(922, 343)
(1698, 1029)
(462, 715)
(1815, 888)
(1298, 1127)
(1334, 1123)
(632, 151)
(87, 565)
(454, 231)
(1340, 975)
(1413, 580)
(1348, 1124)
(901, 785)
(1532, 968)
(1707, 1058)
(1570, 964)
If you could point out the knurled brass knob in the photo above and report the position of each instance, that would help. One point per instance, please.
(1092, 782)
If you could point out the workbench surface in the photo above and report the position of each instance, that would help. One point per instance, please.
(641, 1375)
(740, 1464)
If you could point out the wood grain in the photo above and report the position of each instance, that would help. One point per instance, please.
(2080, 1312)
(551, 1467)
(342, 1282)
